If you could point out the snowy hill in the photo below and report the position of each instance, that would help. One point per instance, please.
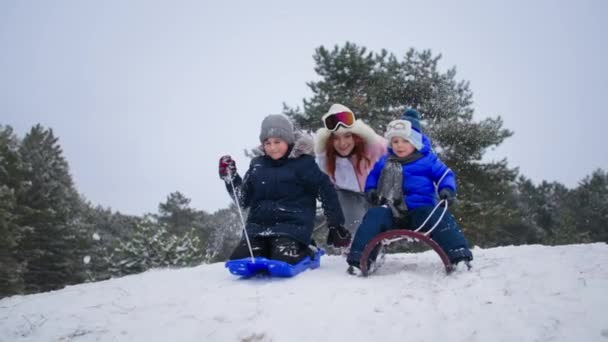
(528, 293)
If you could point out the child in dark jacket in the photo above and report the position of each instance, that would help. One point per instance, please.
(402, 186)
(280, 189)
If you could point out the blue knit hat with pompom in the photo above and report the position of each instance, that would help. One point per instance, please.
(412, 116)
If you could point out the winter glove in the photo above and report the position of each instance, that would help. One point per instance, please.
(372, 197)
(338, 237)
(227, 168)
(448, 195)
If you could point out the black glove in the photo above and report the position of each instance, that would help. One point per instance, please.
(448, 195)
(227, 168)
(338, 237)
(372, 197)
(397, 201)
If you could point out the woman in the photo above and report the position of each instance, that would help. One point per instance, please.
(346, 150)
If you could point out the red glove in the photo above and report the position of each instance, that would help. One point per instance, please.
(227, 168)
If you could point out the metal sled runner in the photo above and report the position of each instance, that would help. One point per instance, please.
(375, 248)
(382, 240)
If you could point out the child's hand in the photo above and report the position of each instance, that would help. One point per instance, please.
(448, 195)
(338, 237)
(372, 197)
(227, 168)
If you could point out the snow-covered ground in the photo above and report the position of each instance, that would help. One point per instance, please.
(528, 293)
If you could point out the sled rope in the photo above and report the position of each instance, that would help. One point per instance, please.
(319, 226)
(441, 179)
(238, 205)
(445, 209)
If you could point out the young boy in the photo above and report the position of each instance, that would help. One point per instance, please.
(281, 188)
(402, 187)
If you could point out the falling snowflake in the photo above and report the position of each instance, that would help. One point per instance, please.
(86, 259)
(96, 237)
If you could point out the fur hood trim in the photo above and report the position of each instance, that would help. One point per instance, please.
(304, 144)
(359, 128)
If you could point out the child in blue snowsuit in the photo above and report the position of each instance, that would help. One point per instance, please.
(401, 186)
(280, 189)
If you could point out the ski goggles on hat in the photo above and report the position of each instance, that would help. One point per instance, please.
(333, 121)
(399, 125)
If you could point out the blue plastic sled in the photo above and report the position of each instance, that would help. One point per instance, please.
(247, 268)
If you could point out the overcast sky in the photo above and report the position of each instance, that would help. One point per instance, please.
(145, 96)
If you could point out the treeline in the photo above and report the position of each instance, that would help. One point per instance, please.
(50, 236)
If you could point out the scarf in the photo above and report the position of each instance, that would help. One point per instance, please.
(390, 183)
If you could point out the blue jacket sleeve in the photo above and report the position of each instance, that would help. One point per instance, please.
(324, 189)
(442, 175)
(372, 179)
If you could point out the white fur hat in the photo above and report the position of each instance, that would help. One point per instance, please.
(337, 108)
(403, 129)
(359, 128)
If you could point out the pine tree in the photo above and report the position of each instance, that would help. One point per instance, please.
(180, 218)
(226, 230)
(11, 171)
(588, 210)
(188, 250)
(153, 246)
(104, 230)
(487, 209)
(138, 253)
(176, 213)
(543, 206)
(379, 86)
(49, 220)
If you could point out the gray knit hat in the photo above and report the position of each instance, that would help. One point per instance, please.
(277, 126)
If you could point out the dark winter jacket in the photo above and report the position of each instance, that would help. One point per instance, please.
(281, 194)
(419, 177)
